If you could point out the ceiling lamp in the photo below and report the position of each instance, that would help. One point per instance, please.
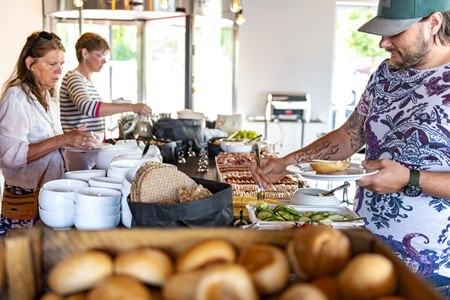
(240, 18)
(164, 4)
(78, 3)
(235, 6)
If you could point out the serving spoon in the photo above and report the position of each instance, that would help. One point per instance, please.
(330, 192)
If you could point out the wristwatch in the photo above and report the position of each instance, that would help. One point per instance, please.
(413, 188)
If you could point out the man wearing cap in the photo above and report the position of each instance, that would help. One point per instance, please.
(403, 120)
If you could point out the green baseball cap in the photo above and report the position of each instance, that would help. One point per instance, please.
(395, 16)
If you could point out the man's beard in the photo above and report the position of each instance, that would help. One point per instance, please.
(413, 57)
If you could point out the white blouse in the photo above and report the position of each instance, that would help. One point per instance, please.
(22, 123)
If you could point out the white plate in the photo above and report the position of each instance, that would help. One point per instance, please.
(355, 172)
(341, 210)
(71, 149)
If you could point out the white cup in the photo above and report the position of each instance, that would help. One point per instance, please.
(100, 136)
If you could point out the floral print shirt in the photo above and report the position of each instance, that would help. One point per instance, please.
(408, 120)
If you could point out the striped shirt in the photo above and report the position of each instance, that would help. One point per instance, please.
(79, 103)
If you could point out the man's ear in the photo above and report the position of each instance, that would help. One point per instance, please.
(435, 22)
(28, 62)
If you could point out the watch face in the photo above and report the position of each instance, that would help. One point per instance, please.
(412, 190)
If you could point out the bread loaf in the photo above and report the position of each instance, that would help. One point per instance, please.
(205, 253)
(329, 166)
(120, 287)
(303, 291)
(318, 251)
(80, 272)
(149, 265)
(367, 276)
(263, 261)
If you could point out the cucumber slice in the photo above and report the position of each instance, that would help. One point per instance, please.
(264, 214)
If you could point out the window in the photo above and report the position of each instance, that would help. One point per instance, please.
(356, 56)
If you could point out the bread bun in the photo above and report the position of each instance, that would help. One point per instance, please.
(328, 285)
(367, 276)
(303, 291)
(329, 166)
(222, 282)
(390, 298)
(318, 251)
(119, 287)
(149, 265)
(51, 296)
(78, 296)
(205, 253)
(79, 272)
(182, 286)
(268, 266)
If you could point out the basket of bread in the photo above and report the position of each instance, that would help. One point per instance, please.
(161, 195)
(315, 262)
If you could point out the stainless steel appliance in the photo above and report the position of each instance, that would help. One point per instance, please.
(288, 108)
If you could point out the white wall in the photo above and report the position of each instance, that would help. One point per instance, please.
(18, 19)
(286, 46)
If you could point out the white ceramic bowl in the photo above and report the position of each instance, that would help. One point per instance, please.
(107, 153)
(97, 211)
(150, 155)
(59, 194)
(97, 197)
(107, 182)
(233, 147)
(54, 201)
(57, 219)
(126, 216)
(96, 222)
(84, 175)
(310, 196)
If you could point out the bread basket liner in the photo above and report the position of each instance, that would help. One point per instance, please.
(213, 211)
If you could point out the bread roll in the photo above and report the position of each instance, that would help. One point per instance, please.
(391, 298)
(80, 272)
(149, 265)
(268, 266)
(367, 276)
(303, 291)
(120, 287)
(329, 286)
(329, 166)
(205, 253)
(182, 286)
(318, 251)
(51, 296)
(223, 282)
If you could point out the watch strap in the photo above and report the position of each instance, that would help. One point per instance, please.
(414, 177)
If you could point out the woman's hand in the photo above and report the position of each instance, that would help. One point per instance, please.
(391, 177)
(78, 138)
(272, 170)
(142, 109)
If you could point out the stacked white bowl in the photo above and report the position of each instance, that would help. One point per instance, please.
(56, 202)
(84, 175)
(126, 216)
(97, 208)
(107, 153)
(117, 168)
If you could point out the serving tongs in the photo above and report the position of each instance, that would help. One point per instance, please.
(260, 193)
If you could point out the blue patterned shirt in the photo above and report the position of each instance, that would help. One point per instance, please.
(408, 120)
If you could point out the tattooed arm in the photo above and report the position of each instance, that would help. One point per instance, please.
(336, 145)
